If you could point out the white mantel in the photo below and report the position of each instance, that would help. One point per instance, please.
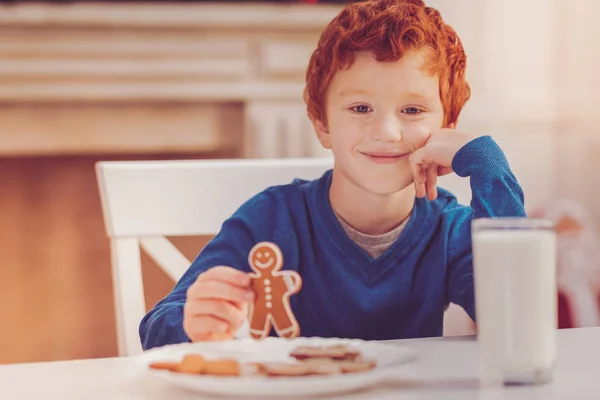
(117, 77)
(214, 15)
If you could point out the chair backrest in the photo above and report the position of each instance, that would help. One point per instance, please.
(144, 201)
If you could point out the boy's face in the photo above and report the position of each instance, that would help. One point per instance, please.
(378, 113)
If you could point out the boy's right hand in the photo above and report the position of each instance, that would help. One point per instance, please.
(217, 304)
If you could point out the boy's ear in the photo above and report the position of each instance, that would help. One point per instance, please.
(322, 133)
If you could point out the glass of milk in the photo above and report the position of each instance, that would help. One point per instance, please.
(514, 266)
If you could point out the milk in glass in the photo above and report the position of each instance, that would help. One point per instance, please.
(514, 263)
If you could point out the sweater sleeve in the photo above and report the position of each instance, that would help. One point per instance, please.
(163, 324)
(495, 193)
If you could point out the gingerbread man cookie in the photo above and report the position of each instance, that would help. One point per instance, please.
(272, 289)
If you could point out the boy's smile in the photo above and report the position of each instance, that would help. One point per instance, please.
(384, 157)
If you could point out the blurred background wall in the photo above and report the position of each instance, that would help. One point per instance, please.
(88, 81)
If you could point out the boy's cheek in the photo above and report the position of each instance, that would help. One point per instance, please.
(349, 135)
(417, 134)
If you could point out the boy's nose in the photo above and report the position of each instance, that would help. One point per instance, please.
(389, 129)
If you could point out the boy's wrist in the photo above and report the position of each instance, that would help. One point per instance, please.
(480, 154)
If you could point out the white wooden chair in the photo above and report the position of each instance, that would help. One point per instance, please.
(144, 201)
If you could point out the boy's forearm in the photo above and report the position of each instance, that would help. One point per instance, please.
(162, 326)
(495, 193)
(495, 190)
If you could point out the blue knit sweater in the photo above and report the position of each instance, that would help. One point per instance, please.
(346, 293)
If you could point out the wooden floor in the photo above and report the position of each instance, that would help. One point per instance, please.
(55, 282)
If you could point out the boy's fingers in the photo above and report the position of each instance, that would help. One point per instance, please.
(418, 171)
(432, 182)
(220, 309)
(218, 336)
(417, 166)
(219, 291)
(226, 274)
(420, 190)
(441, 171)
(202, 327)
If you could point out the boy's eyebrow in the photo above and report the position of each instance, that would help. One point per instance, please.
(415, 94)
(358, 92)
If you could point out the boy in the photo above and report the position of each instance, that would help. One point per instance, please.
(380, 250)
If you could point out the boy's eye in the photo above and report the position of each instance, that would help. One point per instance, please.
(412, 110)
(361, 109)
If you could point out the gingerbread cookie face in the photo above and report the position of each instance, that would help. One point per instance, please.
(266, 256)
(272, 289)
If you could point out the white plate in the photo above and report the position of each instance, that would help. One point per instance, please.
(390, 358)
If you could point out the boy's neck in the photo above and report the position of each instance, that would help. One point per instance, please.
(369, 213)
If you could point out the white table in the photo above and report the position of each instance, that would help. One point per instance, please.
(446, 369)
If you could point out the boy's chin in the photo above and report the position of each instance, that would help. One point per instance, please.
(385, 188)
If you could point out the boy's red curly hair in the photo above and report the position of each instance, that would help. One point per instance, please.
(388, 29)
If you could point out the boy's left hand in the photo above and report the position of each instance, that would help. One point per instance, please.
(435, 159)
